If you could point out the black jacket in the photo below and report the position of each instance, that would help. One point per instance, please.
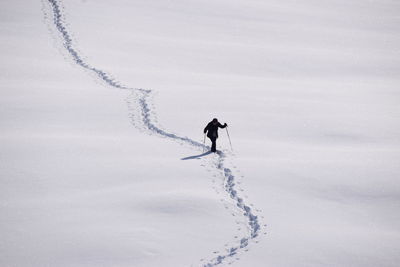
(213, 129)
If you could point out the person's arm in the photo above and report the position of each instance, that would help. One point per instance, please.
(222, 126)
(206, 129)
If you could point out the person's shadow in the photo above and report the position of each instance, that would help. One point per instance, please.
(197, 156)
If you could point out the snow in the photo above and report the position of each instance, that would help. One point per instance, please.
(309, 90)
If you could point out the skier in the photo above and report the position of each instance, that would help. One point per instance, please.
(212, 128)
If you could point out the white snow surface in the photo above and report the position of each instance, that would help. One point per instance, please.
(309, 89)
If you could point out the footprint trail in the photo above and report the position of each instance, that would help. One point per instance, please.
(145, 120)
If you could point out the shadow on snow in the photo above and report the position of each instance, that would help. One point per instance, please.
(197, 156)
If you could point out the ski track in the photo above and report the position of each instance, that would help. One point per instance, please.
(147, 123)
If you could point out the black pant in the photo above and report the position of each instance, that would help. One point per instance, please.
(213, 144)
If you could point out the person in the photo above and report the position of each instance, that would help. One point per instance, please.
(212, 132)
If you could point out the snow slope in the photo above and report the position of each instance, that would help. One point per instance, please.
(309, 89)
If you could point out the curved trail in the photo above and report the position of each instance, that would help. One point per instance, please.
(145, 121)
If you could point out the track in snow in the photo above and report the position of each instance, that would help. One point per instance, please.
(145, 120)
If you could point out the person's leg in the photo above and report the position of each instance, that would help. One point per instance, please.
(213, 145)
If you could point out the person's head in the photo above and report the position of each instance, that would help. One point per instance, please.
(214, 121)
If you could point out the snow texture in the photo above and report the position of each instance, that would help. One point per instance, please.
(309, 90)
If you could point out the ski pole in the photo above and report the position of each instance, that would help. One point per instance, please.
(204, 142)
(229, 137)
